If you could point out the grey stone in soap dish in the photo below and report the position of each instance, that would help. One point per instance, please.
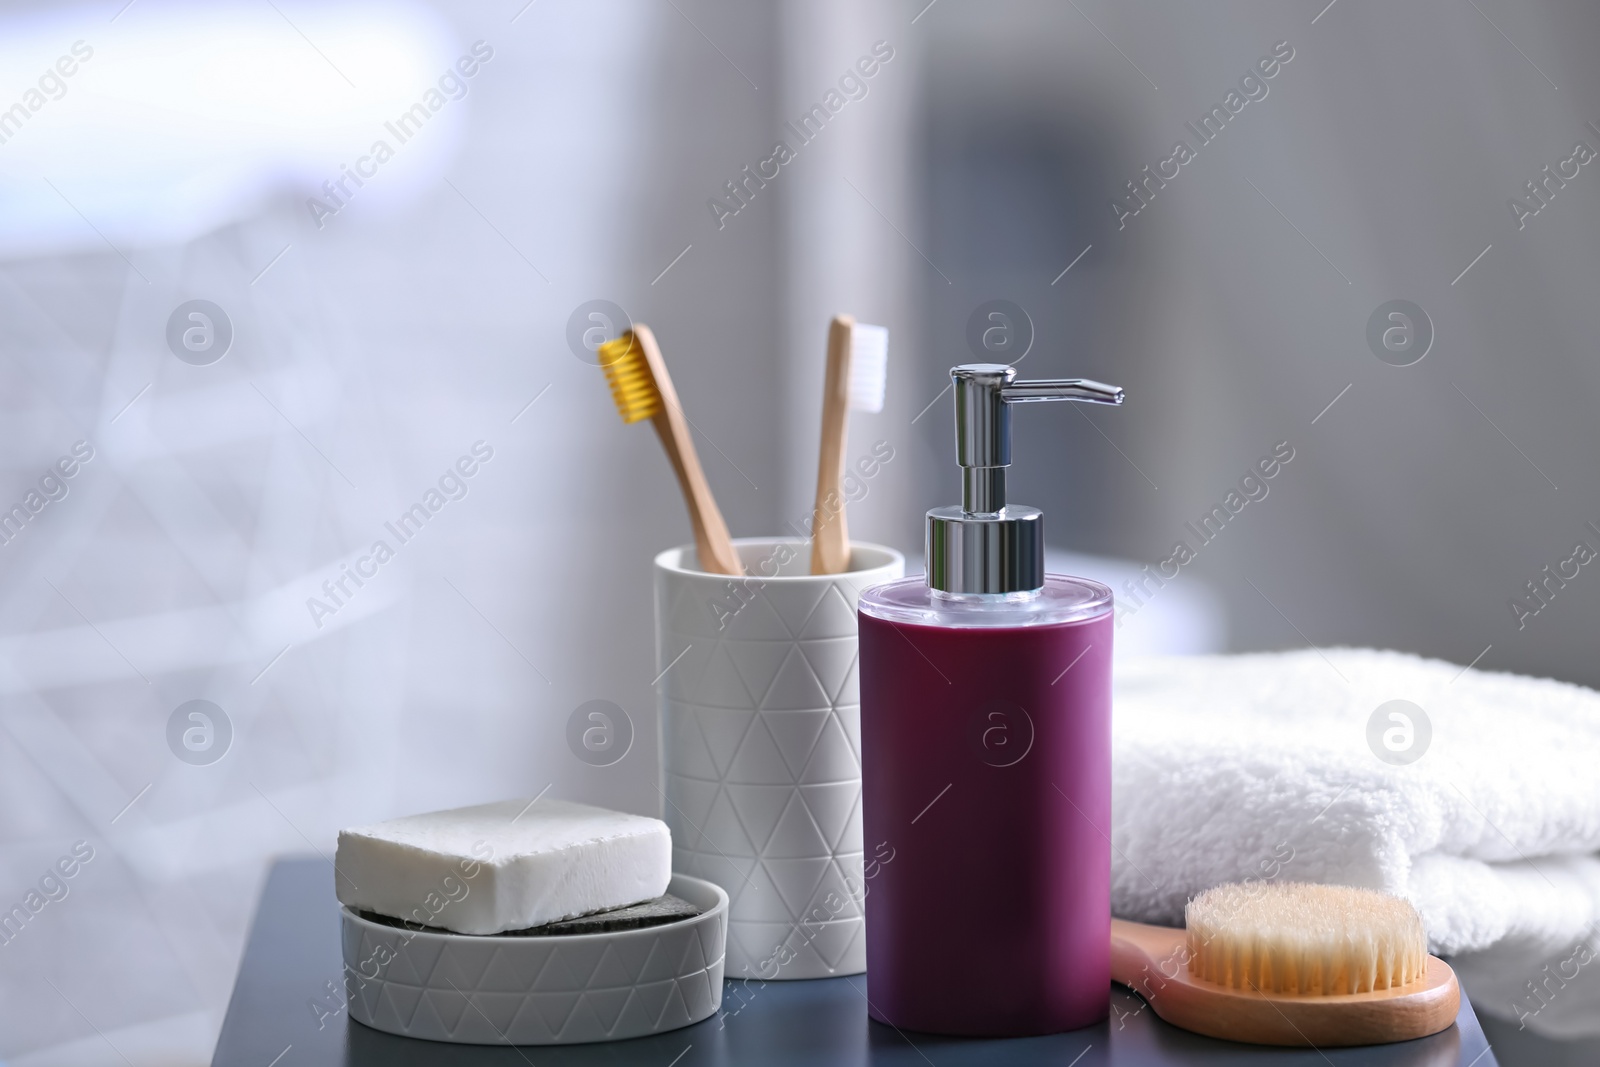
(663, 909)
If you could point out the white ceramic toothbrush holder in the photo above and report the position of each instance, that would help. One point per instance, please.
(761, 748)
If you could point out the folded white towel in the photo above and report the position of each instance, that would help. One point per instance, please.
(1236, 767)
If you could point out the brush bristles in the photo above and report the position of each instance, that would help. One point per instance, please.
(633, 387)
(1297, 938)
(869, 367)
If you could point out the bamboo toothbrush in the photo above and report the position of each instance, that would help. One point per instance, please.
(642, 389)
(856, 378)
(1290, 964)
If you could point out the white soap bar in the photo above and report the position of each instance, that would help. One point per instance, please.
(503, 866)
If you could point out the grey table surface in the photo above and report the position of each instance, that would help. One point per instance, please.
(287, 1011)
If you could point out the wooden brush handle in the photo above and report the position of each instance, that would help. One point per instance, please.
(1153, 962)
(712, 544)
(830, 537)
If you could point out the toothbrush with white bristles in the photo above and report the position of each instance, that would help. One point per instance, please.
(856, 379)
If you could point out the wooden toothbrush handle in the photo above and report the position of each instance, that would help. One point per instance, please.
(712, 544)
(830, 536)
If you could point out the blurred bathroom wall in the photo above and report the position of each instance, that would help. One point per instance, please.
(1234, 304)
(377, 352)
(590, 158)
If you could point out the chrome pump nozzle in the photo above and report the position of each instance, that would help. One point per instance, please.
(986, 546)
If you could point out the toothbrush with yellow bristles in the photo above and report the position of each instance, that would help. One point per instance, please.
(642, 390)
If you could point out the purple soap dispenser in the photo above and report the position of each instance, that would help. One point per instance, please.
(986, 757)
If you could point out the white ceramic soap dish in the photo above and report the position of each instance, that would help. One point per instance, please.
(556, 990)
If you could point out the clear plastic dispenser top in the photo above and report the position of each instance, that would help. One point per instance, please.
(985, 558)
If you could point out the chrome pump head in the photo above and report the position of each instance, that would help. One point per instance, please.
(986, 545)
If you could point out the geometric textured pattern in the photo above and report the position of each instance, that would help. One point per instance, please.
(761, 751)
(539, 990)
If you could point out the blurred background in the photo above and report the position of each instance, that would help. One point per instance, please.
(374, 314)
